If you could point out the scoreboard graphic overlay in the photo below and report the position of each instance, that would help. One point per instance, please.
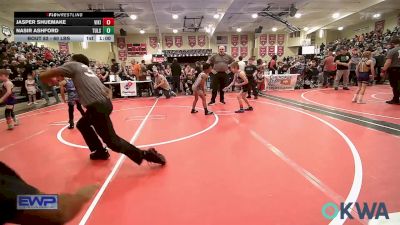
(64, 26)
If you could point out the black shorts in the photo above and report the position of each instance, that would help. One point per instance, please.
(246, 87)
(11, 185)
(363, 77)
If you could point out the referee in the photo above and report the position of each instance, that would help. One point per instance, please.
(221, 61)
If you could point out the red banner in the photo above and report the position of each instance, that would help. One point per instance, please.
(235, 52)
(263, 51)
(192, 41)
(122, 53)
(169, 41)
(153, 41)
(281, 39)
(244, 39)
(272, 39)
(271, 50)
(121, 42)
(280, 50)
(243, 51)
(201, 40)
(235, 39)
(63, 47)
(178, 41)
(379, 26)
(263, 39)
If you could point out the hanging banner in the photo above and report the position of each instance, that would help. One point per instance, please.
(272, 39)
(169, 41)
(281, 39)
(244, 39)
(243, 51)
(122, 55)
(263, 39)
(122, 52)
(121, 42)
(178, 41)
(263, 51)
(235, 52)
(271, 50)
(201, 40)
(379, 26)
(235, 40)
(192, 41)
(153, 41)
(63, 47)
(280, 50)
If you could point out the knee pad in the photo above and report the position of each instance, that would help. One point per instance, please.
(8, 113)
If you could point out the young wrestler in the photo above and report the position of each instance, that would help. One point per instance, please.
(8, 98)
(364, 70)
(68, 85)
(240, 80)
(200, 90)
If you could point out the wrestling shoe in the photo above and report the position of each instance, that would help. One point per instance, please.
(392, 102)
(151, 155)
(208, 113)
(249, 109)
(71, 125)
(211, 103)
(346, 88)
(239, 111)
(100, 155)
(194, 111)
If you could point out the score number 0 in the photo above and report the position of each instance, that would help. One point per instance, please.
(108, 21)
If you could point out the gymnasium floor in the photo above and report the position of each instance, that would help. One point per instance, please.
(276, 165)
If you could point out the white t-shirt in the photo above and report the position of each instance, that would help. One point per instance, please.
(242, 65)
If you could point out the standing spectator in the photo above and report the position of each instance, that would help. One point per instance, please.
(220, 61)
(136, 68)
(242, 64)
(392, 66)
(251, 72)
(329, 67)
(114, 67)
(30, 86)
(355, 59)
(380, 61)
(342, 61)
(272, 64)
(176, 75)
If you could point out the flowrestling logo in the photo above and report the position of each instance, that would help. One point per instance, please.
(364, 210)
(128, 85)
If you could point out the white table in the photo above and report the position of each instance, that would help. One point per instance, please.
(128, 87)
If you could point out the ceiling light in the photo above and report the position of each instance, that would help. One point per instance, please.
(340, 28)
(210, 25)
(321, 33)
(216, 16)
(254, 15)
(175, 31)
(335, 15)
(297, 15)
(305, 28)
(133, 16)
(377, 15)
(239, 29)
(208, 30)
(175, 17)
(142, 31)
(274, 29)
